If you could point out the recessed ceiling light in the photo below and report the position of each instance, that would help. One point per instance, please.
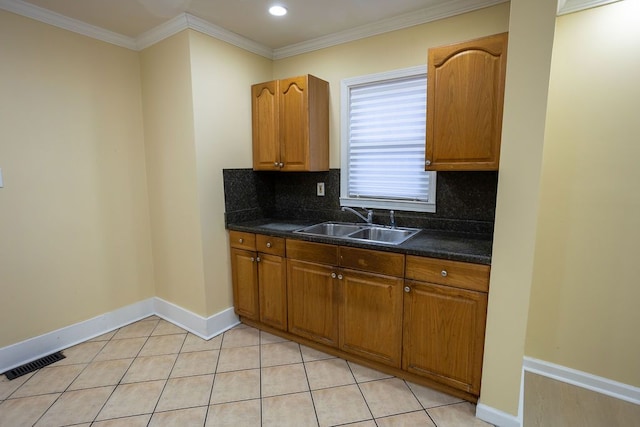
(277, 10)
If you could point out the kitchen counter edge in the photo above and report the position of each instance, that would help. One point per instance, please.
(429, 243)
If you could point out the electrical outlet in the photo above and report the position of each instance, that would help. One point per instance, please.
(320, 189)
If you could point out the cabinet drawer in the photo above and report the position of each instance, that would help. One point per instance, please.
(388, 263)
(242, 240)
(453, 273)
(270, 245)
(313, 252)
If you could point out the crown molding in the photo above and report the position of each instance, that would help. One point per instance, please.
(48, 17)
(433, 13)
(186, 20)
(220, 33)
(162, 31)
(570, 6)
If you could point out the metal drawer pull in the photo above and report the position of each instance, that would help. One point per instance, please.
(333, 275)
(268, 244)
(444, 273)
(339, 276)
(407, 289)
(241, 240)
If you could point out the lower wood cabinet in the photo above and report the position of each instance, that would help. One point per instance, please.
(245, 283)
(258, 270)
(444, 334)
(445, 312)
(419, 317)
(272, 290)
(355, 309)
(312, 298)
(371, 316)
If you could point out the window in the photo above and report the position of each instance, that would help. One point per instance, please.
(383, 142)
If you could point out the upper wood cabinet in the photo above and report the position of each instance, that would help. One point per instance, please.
(465, 97)
(290, 119)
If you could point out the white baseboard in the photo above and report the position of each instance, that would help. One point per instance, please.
(205, 328)
(582, 379)
(496, 417)
(31, 349)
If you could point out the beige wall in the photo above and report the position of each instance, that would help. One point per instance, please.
(221, 76)
(389, 51)
(197, 111)
(584, 302)
(531, 30)
(74, 219)
(172, 174)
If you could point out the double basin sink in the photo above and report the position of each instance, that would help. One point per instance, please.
(361, 232)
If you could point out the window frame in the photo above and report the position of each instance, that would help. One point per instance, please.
(391, 204)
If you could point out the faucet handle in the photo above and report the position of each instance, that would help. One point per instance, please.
(369, 215)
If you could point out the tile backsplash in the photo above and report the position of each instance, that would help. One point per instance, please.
(465, 201)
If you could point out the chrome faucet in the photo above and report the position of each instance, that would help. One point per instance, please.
(368, 219)
(392, 219)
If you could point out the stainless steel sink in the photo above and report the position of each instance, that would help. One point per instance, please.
(393, 236)
(333, 229)
(361, 232)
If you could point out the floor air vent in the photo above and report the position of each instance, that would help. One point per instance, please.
(34, 366)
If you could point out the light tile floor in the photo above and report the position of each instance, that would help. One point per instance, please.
(153, 373)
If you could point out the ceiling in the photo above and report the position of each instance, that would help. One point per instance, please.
(317, 23)
(306, 20)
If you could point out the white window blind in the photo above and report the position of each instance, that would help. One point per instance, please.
(385, 140)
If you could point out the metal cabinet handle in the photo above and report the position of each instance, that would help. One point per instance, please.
(444, 273)
(252, 259)
(407, 289)
(339, 276)
(241, 240)
(257, 259)
(333, 275)
(427, 162)
(281, 164)
(275, 164)
(268, 244)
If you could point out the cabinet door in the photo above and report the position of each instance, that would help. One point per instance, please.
(244, 274)
(444, 334)
(465, 95)
(273, 291)
(312, 301)
(294, 123)
(266, 143)
(371, 316)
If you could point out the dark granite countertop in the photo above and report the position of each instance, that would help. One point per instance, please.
(431, 243)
